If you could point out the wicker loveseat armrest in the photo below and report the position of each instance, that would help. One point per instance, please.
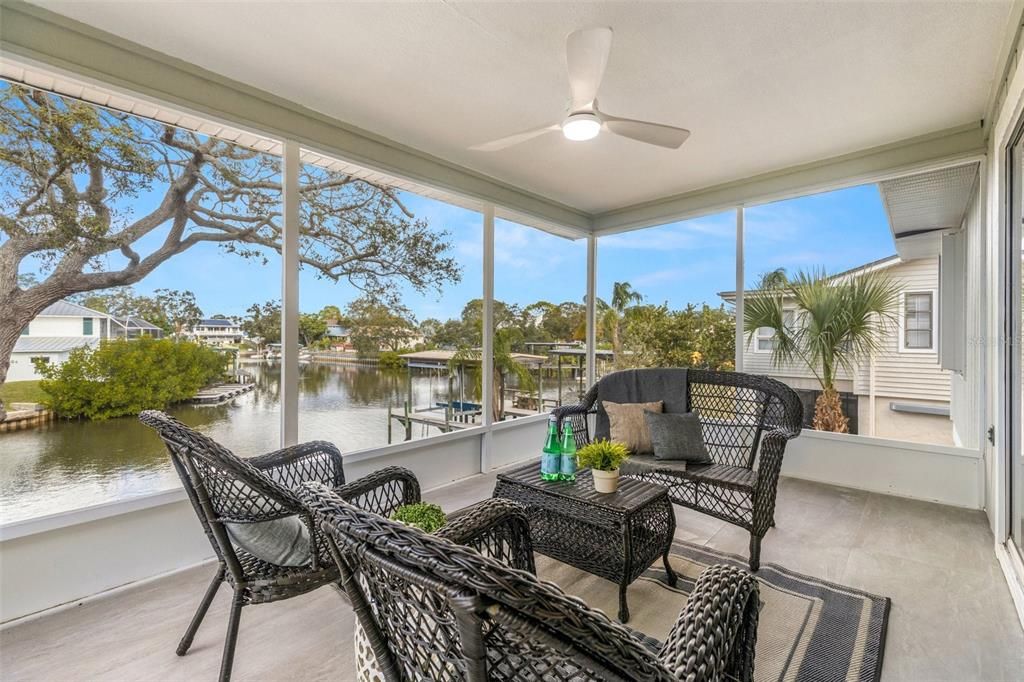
(577, 415)
(316, 460)
(714, 637)
(383, 491)
(497, 528)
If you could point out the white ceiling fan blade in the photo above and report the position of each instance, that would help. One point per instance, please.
(586, 56)
(644, 131)
(503, 142)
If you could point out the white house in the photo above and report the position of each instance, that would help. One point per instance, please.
(902, 392)
(217, 332)
(54, 333)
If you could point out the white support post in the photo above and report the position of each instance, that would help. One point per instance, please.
(591, 310)
(290, 296)
(487, 345)
(739, 289)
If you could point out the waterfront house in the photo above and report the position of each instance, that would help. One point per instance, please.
(339, 336)
(216, 332)
(780, 101)
(904, 391)
(54, 333)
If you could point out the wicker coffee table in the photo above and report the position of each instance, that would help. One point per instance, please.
(616, 536)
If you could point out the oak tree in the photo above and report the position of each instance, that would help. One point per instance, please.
(71, 179)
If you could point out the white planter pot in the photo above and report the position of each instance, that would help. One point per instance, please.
(605, 481)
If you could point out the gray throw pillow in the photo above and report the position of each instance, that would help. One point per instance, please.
(284, 542)
(677, 436)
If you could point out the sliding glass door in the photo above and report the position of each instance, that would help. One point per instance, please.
(1014, 302)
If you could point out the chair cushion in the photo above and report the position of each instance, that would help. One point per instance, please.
(628, 425)
(284, 542)
(677, 436)
(668, 384)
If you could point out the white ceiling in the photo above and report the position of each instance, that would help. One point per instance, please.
(762, 86)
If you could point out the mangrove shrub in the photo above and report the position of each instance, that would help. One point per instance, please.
(120, 377)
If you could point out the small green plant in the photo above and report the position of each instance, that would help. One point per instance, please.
(424, 515)
(605, 455)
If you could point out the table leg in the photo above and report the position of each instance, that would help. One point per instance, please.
(670, 574)
(623, 607)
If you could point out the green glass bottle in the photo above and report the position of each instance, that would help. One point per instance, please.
(567, 471)
(550, 458)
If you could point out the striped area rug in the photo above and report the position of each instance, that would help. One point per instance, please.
(809, 630)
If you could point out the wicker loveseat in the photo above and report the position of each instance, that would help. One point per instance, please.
(745, 419)
(226, 491)
(464, 604)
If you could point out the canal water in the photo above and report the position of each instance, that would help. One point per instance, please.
(66, 465)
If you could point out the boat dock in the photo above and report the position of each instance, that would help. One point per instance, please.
(215, 395)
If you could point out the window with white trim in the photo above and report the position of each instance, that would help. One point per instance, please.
(918, 320)
(765, 337)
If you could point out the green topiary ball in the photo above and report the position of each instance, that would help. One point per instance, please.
(426, 516)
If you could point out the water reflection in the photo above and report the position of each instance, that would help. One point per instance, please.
(70, 464)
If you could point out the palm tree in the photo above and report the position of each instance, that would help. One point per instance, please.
(611, 318)
(836, 321)
(504, 363)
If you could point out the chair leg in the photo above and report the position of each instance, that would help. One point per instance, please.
(197, 619)
(229, 643)
(755, 552)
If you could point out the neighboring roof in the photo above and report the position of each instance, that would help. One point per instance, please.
(52, 344)
(137, 323)
(600, 352)
(880, 264)
(68, 309)
(216, 322)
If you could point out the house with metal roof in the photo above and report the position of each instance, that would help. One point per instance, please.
(216, 331)
(54, 333)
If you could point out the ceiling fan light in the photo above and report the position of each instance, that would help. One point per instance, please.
(579, 127)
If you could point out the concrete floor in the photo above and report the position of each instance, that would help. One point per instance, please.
(952, 617)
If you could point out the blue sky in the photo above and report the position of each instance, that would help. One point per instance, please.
(680, 263)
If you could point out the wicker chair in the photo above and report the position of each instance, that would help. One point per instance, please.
(435, 609)
(746, 421)
(224, 488)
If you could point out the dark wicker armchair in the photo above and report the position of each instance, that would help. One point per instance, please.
(225, 489)
(746, 420)
(434, 610)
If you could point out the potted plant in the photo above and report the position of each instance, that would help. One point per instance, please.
(603, 457)
(423, 515)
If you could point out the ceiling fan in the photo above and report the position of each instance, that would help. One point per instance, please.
(586, 55)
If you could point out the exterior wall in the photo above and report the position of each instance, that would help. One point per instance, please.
(904, 374)
(22, 368)
(906, 426)
(45, 325)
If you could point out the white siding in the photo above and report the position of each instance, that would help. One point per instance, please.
(913, 376)
(910, 375)
(965, 390)
(22, 368)
(45, 325)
